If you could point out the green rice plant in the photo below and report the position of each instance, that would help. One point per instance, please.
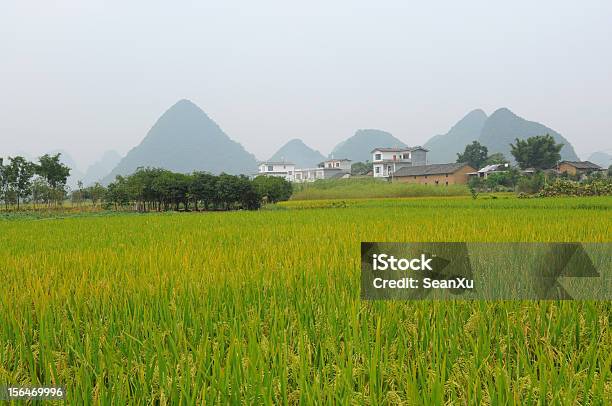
(264, 308)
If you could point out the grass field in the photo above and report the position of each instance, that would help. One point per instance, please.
(263, 307)
(371, 188)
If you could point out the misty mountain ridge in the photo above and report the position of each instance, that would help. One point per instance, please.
(75, 173)
(496, 132)
(601, 158)
(101, 168)
(358, 148)
(185, 139)
(295, 151)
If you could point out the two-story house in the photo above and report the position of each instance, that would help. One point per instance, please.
(280, 168)
(385, 161)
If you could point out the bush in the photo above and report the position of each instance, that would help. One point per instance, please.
(530, 184)
(562, 187)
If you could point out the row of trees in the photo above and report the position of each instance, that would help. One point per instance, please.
(153, 189)
(540, 152)
(42, 182)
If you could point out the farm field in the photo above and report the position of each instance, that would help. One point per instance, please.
(264, 307)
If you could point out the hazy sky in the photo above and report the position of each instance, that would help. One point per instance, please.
(87, 76)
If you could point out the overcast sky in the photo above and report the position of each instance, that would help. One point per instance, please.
(87, 76)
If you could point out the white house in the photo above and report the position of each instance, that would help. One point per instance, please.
(330, 169)
(343, 164)
(385, 161)
(281, 169)
(489, 169)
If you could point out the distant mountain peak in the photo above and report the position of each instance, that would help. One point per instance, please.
(297, 152)
(496, 132)
(184, 139)
(359, 146)
(503, 111)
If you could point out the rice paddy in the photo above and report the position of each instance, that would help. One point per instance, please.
(263, 308)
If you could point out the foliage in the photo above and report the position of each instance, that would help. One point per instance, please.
(475, 185)
(562, 187)
(496, 158)
(264, 308)
(475, 154)
(153, 189)
(361, 168)
(540, 152)
(273, 189)
(531, 184)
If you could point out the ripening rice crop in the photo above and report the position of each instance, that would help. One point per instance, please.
(264, 307)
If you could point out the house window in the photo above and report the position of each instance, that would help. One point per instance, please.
(394, 157)
(337, 164)
(290, 172)
(378, 157)
(377, 169)
(270, 168)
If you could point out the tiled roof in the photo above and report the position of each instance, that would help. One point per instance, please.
(581, 164)
(434, 169)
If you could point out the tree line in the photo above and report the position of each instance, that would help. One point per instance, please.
(154, 189)
(148, 189)
(42, 182)
(539, 152)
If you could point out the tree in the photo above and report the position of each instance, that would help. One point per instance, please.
(20, 174)
(55, 174)
(274, 189)
(203, 188)
(96, 193)
(361, 168)
(540, 152)
(41, 192)
(474, 184)
(3, 182)
(475, 155)
(495, 159)
(609, 169)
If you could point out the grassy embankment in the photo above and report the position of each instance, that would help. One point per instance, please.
(362, 188)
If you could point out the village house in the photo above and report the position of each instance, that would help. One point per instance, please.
(386, 161)
(435, 174)
(578, 168)
(489, 169)
(330, 169)
(280, 169)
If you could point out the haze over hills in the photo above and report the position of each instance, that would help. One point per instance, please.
(496, 132)
(185, 139)
(75, 173)
(464, 132)
(300, 154)
(101, 168)
(601, 158)
(358, 148)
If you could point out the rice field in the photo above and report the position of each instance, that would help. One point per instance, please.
(263, 308)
